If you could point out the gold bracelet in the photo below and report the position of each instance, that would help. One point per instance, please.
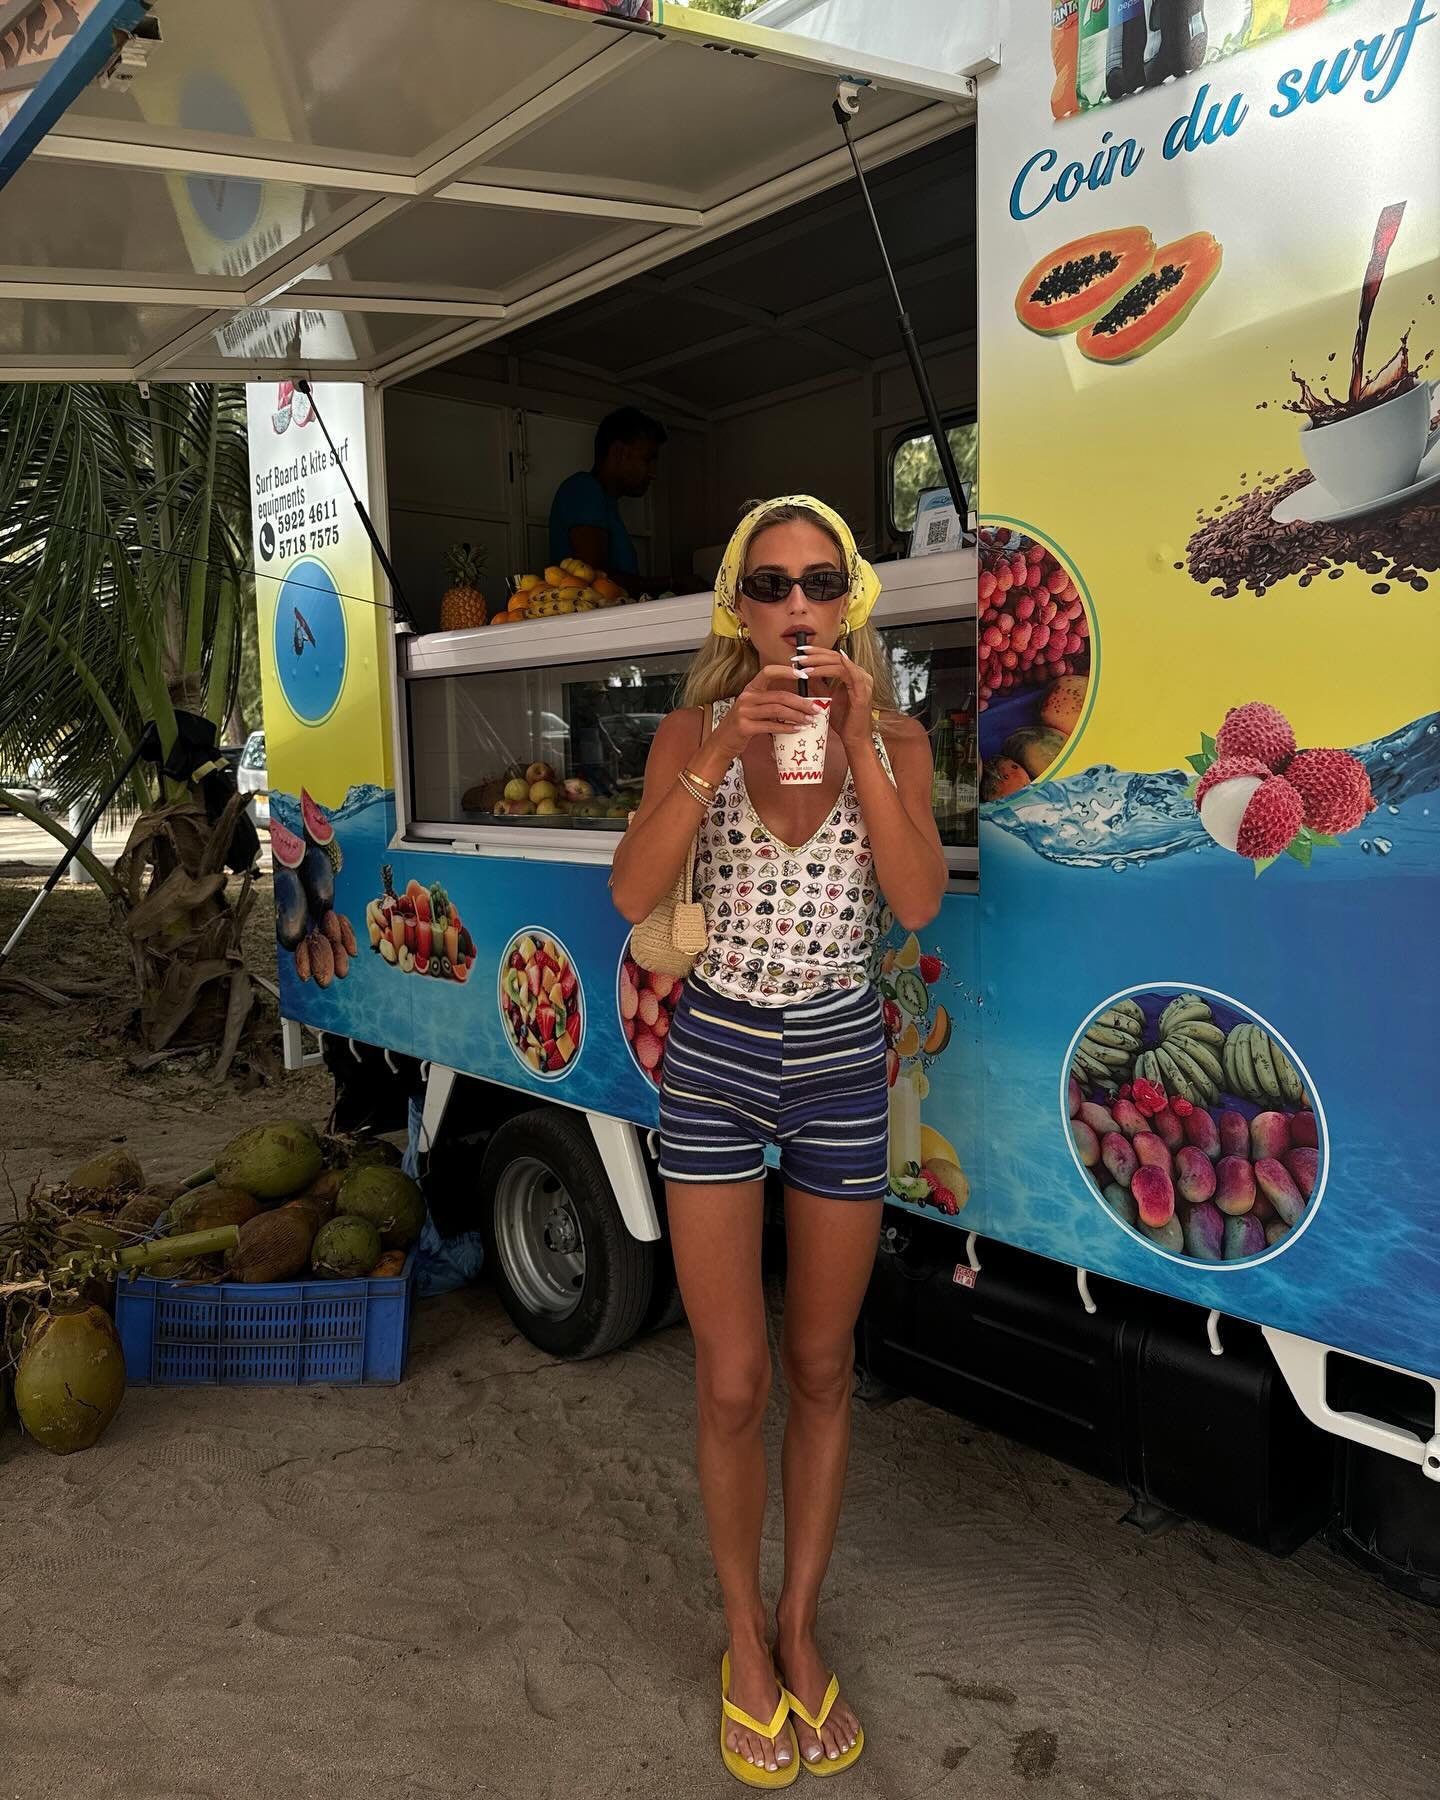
(700, 781)
(700, 799)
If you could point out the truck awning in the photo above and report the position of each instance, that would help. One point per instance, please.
(364, 189)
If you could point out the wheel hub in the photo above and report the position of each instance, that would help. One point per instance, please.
(538, 1238)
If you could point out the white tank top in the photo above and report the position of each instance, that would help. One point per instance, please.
(786, 921)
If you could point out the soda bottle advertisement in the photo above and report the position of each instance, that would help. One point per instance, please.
(1210, 659)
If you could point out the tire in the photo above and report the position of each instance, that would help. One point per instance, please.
(567, 1269)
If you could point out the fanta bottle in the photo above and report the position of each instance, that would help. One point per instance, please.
(1065, 53)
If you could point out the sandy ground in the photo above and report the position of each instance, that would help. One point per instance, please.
(492, 1580)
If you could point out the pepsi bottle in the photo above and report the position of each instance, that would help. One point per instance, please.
(1125, 48)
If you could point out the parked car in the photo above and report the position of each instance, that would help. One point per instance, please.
(252, 778)
(21, 787)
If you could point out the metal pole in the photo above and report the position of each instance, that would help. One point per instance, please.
(402, 606)
(147, 744)
(847, 104)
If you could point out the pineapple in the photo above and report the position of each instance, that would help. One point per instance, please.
(463, 604)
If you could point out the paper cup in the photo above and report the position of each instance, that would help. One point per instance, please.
(800, 755)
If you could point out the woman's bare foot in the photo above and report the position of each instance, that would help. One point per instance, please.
(806, 1675)
(754, 1689)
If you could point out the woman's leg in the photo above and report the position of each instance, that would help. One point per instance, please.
(715, 1232)
(831, 1252)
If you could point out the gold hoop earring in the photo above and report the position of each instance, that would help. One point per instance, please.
(844, 628)
(742, 631)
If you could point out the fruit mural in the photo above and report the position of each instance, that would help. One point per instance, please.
(319, 940)
(1116, 292)
(925, 1168)
(542, 1003)
(419, 931)
(645, 1003)
(1194, 1125)
(1034, 658)
(1261, 796)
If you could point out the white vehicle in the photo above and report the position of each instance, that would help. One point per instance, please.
(252, 778)
(1113, 280)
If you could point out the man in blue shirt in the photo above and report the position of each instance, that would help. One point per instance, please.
(585, 516)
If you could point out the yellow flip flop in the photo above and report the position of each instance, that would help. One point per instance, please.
(748, 1772)
(824, 1764)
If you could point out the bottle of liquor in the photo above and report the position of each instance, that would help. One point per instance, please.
(967, 773)
(942, 787)
(1125, 49)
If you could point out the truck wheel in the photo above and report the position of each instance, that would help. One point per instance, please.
(569, 1273)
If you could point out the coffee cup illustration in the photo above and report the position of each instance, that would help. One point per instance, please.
(1375, 451)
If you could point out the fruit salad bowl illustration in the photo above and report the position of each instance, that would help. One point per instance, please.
(924, 1166)
(419, 931)
(542, 1004)
(1195, 1125)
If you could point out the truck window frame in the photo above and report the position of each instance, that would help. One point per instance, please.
(909, 434)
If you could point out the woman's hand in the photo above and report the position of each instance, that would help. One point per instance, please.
(851, 689)
(768, 705)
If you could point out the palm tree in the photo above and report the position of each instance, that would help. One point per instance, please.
(123, 551)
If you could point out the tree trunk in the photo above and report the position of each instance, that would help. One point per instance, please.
(185, 930)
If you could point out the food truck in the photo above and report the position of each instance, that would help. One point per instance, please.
(1163, 1069)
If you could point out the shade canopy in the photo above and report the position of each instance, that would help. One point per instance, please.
(367, 188)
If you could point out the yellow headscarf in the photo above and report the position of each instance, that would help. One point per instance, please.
(864, 582)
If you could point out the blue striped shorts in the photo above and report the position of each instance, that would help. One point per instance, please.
(809, 1078)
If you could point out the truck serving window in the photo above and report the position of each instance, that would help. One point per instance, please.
(914, 466)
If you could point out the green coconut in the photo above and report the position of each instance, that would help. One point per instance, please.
(204, 1208)
(141, 1211)
(111, 1172)
(92, 1231)
(71, 1379)
(272, 1162)
(390, 1200)
(347, 1248)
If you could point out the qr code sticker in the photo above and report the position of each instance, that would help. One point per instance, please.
(938, 531)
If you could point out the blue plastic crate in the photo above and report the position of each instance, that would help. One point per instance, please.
(265, 1334)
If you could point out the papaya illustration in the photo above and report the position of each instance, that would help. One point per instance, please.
(1157, 305)
(1082, 280)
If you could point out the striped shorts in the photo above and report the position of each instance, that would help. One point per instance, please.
(809, 1078)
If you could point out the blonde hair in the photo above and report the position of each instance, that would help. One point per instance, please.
(723, 666)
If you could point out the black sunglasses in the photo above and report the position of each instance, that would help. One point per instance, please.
(819, 587)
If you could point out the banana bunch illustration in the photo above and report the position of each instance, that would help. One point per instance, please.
(1257, 1068)
(1105, 1055)
(1188, 1062)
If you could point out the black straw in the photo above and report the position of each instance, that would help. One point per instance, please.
(801, 639)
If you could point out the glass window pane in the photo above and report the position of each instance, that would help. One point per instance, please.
(933, 668)
(562, 746)
(914, 466)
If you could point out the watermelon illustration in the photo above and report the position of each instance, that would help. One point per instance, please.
(287, 849)
(319, 831)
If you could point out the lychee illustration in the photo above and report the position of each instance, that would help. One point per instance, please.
(1247, 809)
(1334, 789)
(1257, 730)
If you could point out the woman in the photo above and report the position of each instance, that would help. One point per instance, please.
(777, 1037)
